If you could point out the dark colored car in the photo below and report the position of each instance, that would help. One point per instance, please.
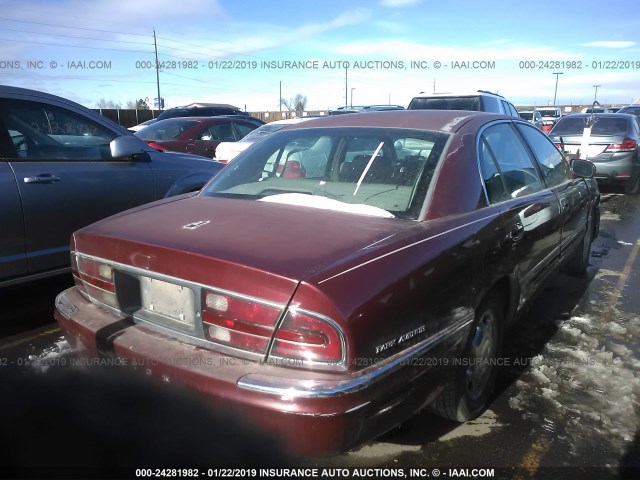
(345, 273)
(211, 110)
(63, 167)
(612, 146)
(632, 109)
(365, 108)
(197, 135)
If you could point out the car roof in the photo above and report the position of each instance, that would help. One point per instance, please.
(210, 119)
(602, 115)
(437, 120)
(463, 93)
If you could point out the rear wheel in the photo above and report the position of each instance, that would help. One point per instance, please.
(467, 394)
(579, 260)
(633, 184)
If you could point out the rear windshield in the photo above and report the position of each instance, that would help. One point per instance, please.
(165, 129)
(552, 112)
(526, 115)
(572, 125)
(446, 103)
(376, 171)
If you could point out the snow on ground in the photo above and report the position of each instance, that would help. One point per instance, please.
(55, 355)
(585, 385)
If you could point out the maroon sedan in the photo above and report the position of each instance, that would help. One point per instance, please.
(197, 135)
(344, 274)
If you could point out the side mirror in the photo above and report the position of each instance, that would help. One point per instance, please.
(583, 168)
(126, 147)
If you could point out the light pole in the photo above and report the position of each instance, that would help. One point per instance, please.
(595, 97)
(557, 74)
(352, 89)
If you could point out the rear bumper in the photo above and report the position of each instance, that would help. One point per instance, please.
(615, 171)
(336, 410)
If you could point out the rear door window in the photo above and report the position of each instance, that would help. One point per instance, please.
(499, 143)
(551, 163)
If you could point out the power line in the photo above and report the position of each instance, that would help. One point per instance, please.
(72, 36)
(76, 28)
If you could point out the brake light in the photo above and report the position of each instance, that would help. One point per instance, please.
(627, 145)
(157, 147)
(94, 279)
(308, 337)
(294, 169)
(238, 322)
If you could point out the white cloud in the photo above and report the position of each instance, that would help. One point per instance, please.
(398, 3)
(609, 44)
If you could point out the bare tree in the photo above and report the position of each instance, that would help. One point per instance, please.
(297, 104)
(102, 103)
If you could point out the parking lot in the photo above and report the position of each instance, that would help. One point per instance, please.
(566, 401)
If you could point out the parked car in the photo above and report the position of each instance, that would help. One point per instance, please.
(612, 145)
(197, 135)
(632, 109)
(480, 101)
(532, 116)
(63, 167)
(550, 115)
(597, 110)
(227, 151)
(345, 273)
(201, 110)
(140, 126)
(365, 108)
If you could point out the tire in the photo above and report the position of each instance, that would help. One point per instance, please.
(467, 395)
(579, 260)
(633, 184)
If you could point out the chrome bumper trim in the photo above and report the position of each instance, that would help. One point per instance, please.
(288, 388)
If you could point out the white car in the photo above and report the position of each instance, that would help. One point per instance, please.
(227, 151)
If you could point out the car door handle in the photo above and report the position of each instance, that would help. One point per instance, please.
(42, 178)
(516, 232)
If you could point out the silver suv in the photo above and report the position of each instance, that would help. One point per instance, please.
(480, 101)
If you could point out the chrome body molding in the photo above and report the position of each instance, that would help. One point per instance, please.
(197, 336)
(291, 388)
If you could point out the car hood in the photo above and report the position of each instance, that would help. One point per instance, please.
(231, 243)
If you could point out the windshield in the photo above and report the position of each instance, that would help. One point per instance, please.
(263, 131)
(165, 129)
(552, 112)
(574, 125)
(446, 103)
(375, 171)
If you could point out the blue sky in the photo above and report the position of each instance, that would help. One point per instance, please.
(217, 51)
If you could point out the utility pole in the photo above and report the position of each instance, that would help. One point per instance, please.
(557, 74)
(352, 89)
(280, 98)
(595, 97)
(155, 46)
(346, 83)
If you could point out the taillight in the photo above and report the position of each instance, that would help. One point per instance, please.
(294, 169)
(309, 338)
(238, 322)
(627, 145)
(95, 279)
(157, 147)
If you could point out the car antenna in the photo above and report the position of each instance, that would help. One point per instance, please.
(592, 118)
